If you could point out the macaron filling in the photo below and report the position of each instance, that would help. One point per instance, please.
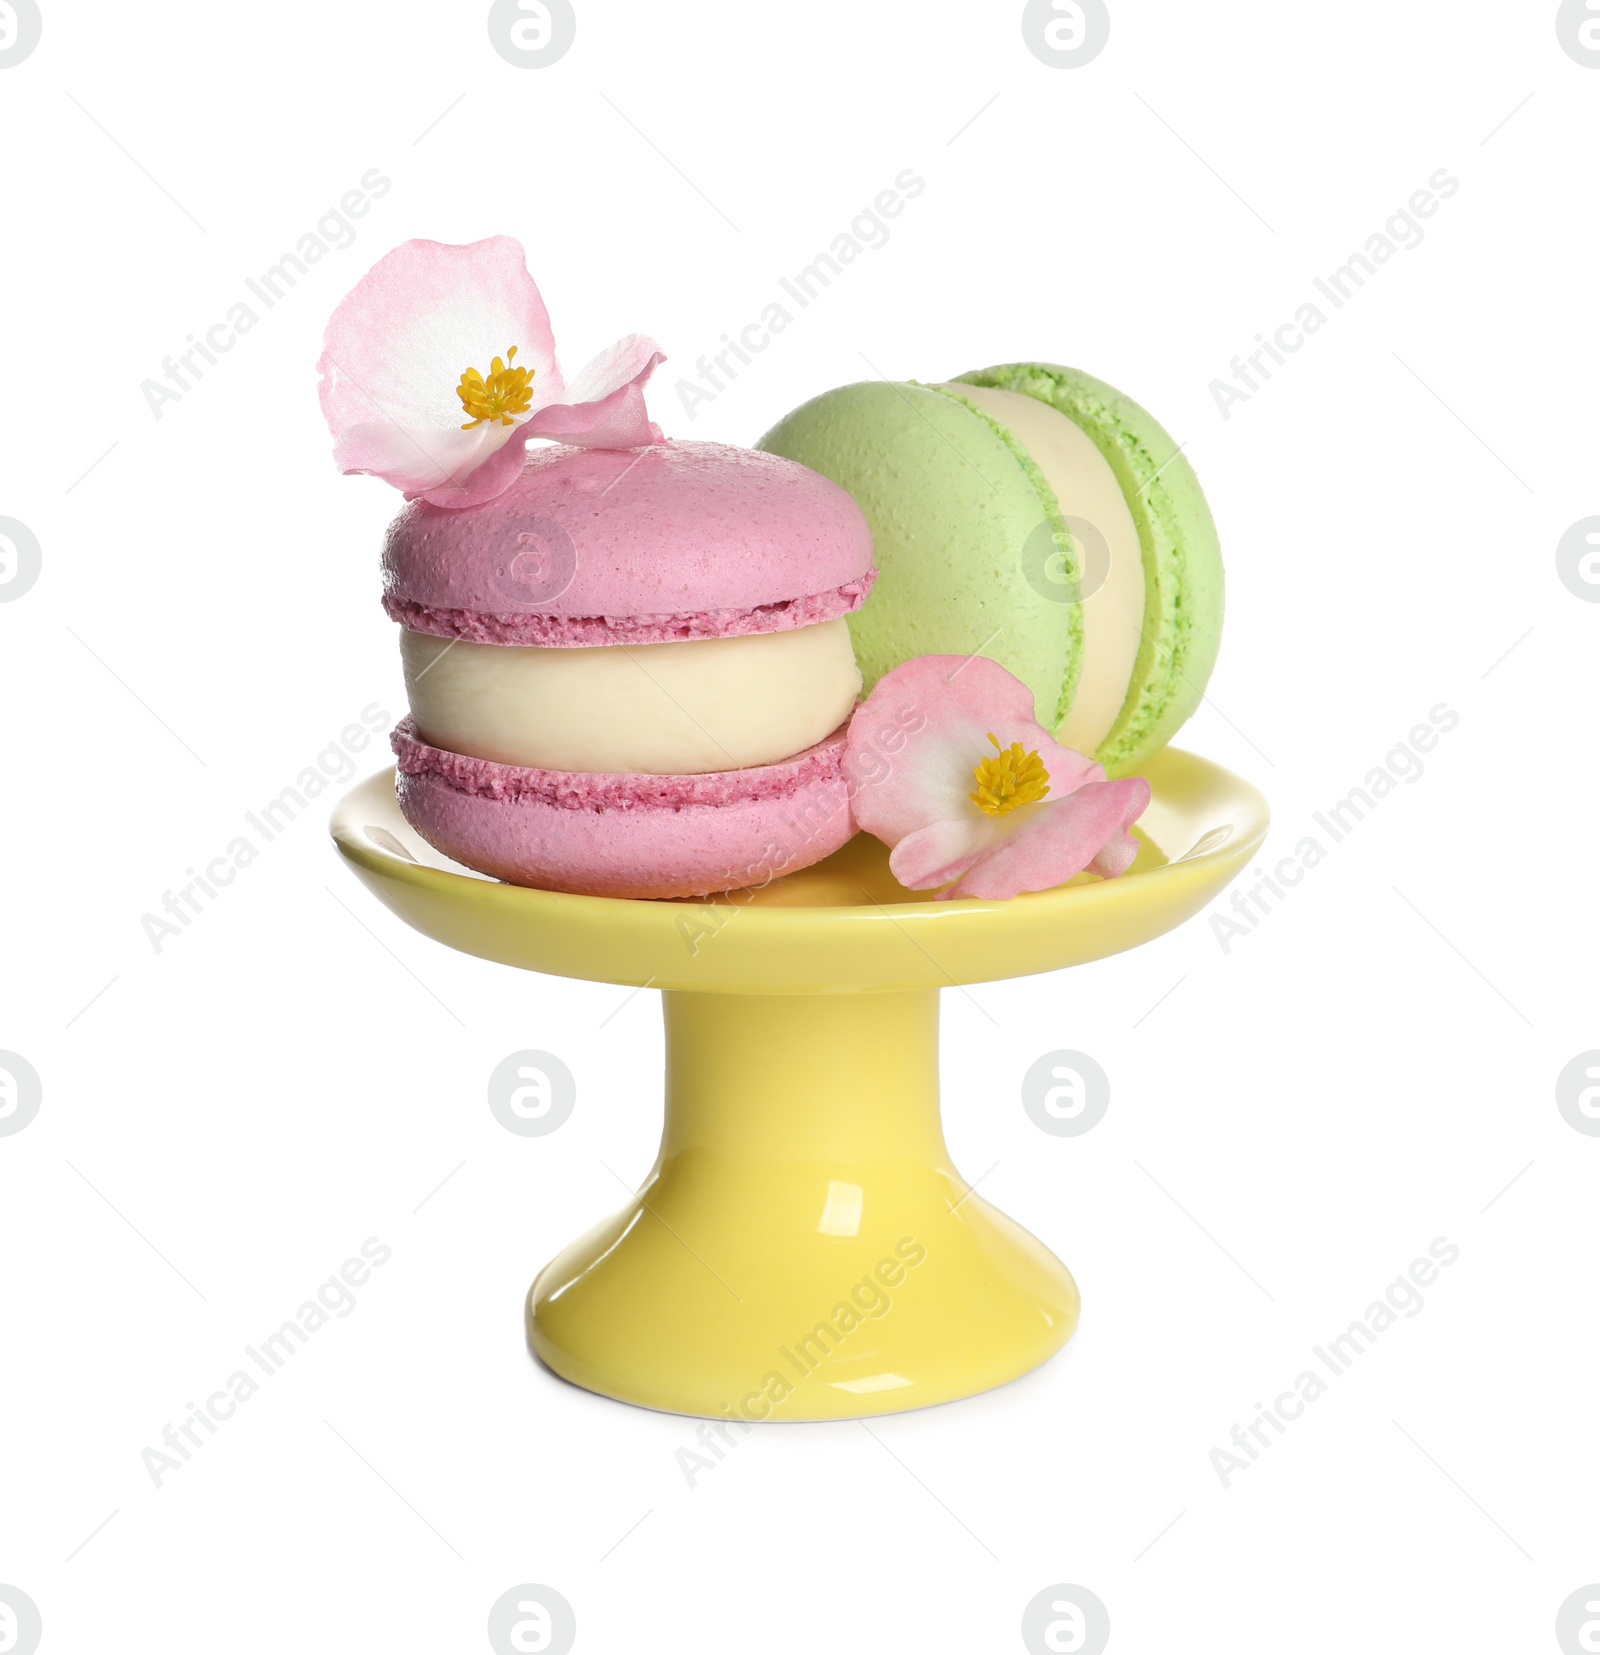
(673, 708)
(1112, 585)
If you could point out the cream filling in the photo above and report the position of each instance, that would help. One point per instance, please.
(1086, 488)
(674, 709)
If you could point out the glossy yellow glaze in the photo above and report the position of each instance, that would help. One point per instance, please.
(803, 1248)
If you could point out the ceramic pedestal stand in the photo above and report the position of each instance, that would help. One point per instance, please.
(803, 1248)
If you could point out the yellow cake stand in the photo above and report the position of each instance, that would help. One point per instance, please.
(803, 1247)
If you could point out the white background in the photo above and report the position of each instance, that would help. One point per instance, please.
(225, 1121)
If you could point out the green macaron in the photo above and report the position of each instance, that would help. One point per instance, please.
(1035, 515)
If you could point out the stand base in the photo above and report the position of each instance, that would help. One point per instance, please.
(803, 1248)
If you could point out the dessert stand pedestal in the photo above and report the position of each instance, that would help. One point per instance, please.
(803, 1247)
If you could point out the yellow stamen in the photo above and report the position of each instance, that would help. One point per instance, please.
(1009, 778)
(505, 392)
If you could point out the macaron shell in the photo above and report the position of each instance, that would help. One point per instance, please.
(679, 539)
(919, 461)
(623, 835)
(1178, 539)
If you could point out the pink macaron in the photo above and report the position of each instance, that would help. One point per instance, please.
(601, 701)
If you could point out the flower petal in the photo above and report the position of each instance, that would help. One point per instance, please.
(914, 742)
(604, 405)
(943, 851)
(399, 341)
(437, 465)
(616, 420)
(632, 358)
(1061, 837)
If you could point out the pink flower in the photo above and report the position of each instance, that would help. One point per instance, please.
(948, 766)
(439, 366)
